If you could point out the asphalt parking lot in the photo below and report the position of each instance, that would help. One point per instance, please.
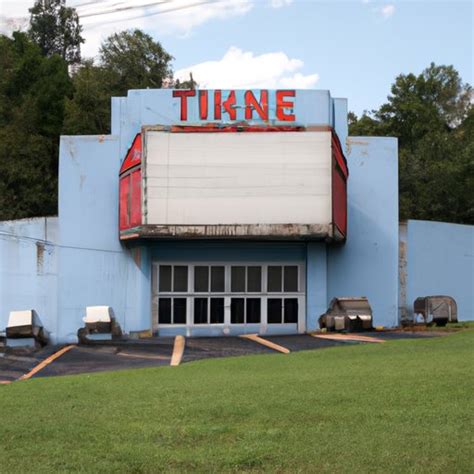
(158, 351)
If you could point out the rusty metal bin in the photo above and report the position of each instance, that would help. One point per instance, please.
(351, 314)
(438, 310)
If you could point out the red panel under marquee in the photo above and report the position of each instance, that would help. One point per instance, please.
(136, 198)
(339, 187)
(130, 187)
(124, 191)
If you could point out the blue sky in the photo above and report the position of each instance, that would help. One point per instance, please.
(354, 48)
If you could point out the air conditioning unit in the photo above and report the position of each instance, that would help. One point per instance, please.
(437, 310)
(24, 328)
(100, 324)
(351, 314)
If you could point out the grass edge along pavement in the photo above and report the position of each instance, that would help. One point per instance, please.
(405, 405)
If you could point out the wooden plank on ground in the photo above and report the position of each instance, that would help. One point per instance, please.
(46, 362)
(144, 356)
(265, 342)
(178, 350)
(348, 337)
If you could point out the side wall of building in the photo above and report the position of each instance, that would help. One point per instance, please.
(28, 268)
(94, 268)
(440, 261)
(59, 266)
(367, 265)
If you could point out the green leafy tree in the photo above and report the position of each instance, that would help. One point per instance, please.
(33, 89)
(365, 125)
(88, 111)
(134, 61)
(127, 60)
(55, 29)
(431, 115)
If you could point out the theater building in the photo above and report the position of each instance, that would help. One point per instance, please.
(218, 212)
(224, 207)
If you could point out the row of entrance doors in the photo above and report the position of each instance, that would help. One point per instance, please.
(233, 297)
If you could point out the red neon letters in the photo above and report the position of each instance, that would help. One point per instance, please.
(255, 107)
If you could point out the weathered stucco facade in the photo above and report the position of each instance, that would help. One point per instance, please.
(58, 266)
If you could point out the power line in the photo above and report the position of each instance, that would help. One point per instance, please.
(169, 10)
(121, 9)
(9, 236)
(80, 5)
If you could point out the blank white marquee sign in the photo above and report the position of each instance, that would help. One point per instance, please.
(237, 178)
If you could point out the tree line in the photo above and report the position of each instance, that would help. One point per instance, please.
(432, 115)
(48, 89)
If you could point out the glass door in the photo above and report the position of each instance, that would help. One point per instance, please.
(238, 298)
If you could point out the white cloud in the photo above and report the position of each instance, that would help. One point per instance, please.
(243, 69)
(163, 17)
(387, 10)
(166, 17)
(280, 3)
(384, 11)
(14, 15)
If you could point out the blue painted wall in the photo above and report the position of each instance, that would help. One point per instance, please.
(367, 265)
(93, 266)
(440, 261)
(228, 251)
(157, 106)
(316, 283)
(85, 263)
(28, 268)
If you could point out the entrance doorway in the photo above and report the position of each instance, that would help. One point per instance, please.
(229, 298)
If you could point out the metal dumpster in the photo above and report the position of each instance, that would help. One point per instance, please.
(438, 310)
(347, 314)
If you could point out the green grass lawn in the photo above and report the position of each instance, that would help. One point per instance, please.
(403, 406)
